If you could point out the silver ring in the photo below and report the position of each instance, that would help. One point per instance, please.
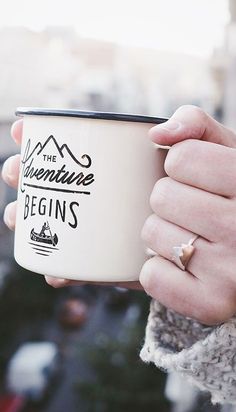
(182, 254)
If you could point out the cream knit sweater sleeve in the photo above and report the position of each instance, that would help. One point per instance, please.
(205, 355)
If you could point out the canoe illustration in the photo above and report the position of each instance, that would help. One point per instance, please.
(42, 237)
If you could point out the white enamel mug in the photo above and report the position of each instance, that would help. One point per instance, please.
(83, 196)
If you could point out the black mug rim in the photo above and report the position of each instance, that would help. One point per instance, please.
(124, 117)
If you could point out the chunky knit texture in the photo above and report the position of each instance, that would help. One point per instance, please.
(205, 355)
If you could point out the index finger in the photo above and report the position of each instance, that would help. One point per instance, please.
(17, 130)
(191, 122)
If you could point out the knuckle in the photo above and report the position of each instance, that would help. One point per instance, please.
(191, 109)
(159, 194)
(196, 118)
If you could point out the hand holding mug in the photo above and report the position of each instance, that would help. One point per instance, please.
(196, 198)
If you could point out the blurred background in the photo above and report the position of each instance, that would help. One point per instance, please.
(77, 349)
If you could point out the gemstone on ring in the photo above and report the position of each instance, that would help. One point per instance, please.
(182, 254)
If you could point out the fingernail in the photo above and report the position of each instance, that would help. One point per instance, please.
(10, 216)
(171, 125)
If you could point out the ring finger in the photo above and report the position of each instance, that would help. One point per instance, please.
(162, 236)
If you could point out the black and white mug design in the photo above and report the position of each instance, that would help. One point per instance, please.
(83, 194)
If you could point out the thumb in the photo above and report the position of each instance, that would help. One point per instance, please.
(191, 122)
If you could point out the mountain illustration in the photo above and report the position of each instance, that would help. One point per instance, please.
(63, 151)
